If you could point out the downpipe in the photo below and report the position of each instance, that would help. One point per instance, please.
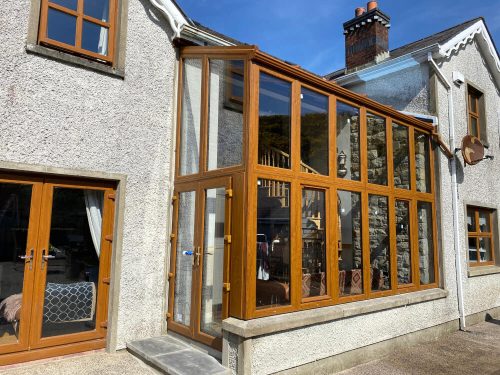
(454, 192)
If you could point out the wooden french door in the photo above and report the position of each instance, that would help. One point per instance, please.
(199, 277)
(55, 253)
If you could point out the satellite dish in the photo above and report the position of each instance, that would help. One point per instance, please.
(472, 150)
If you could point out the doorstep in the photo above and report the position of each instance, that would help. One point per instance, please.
(173, 357)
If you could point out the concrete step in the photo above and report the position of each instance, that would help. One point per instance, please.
(172, 356)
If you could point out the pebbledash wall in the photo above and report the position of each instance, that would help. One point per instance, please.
(58, 117)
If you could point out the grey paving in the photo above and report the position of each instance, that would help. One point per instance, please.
(474, 352)
(174, 357)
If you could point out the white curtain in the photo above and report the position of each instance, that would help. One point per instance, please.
(93, 203)
(102, 47)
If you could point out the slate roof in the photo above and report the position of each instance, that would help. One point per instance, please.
(216, 33)
(438, 38)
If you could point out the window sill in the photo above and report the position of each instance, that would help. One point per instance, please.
(283, 322)
(481, 271)
(74, 60)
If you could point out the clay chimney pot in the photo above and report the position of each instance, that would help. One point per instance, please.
(359, 11)
(371, 5)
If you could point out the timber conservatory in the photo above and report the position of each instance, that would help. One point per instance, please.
(291, 193)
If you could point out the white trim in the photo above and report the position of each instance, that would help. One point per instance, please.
(173, 15)
(195, 34)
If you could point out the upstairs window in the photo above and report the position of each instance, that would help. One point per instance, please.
(476, 113)
(83, 27)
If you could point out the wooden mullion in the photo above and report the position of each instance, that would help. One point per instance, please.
(393, 267)
(96, 21)
(332, 137)
(295, 244)
(295, 128)
(79, 25)
(365, 240)
(204, 116)
(63, 9)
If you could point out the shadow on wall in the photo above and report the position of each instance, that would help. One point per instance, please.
(157, 17)
(490, 319)
(460, 169)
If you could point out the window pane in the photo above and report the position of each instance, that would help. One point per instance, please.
(61, 27)
(225, 123)
(313, 243)
(213, 262)
(471, 220)
(473, 127)
(473, 103)
(425, 242)
(422, 166)
(377, 149)
(403, 243)
(95, 38)
(273, 243)
(380, 270)
(348, 157)
(70, 4)
(401, 156)
(472, 249)
(184, 257)
(314, 132)
(274, 122)
(484, 221)
(349, 244)
(485, 249)
(97, 8)
(190, 122)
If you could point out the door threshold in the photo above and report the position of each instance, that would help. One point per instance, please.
(197, 345)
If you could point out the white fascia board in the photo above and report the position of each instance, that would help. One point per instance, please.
(173, 15)
(484, 41)
(196, 35)
(387, 67)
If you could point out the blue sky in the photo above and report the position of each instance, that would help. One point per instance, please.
(309, 32)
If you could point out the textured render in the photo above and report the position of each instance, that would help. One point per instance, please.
(59, 115)
(479, 183)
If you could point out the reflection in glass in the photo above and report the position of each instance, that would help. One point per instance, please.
(15, 203)
(379, 242)
(97, 8)
(403, 242)
(190, 117)
(95, 38)
(184, 257)
(73, 262)
(485, 249)
(274, 121)
(473, 249)
(314, 132)
(61, 27)
(484, 221)
(273, 243)
(425, 242)
(471, 220)
(313, 243)
(225, 121)
(422, 162)
(348, 156)
(70, 4)
(213, 262)
(349, 244)
(377, 149)
(401, 156)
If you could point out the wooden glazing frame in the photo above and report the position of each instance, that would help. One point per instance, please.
(80, 17)
(477, 234)
(32, 345)
(474, 95)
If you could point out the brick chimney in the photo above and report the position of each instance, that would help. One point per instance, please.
(366, 37)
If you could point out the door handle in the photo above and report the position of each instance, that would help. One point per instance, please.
(198, 254)
(28, 258)
(46, 257)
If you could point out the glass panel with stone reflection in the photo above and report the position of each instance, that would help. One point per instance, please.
(403, 242)
(425, 242)
(348, 152)
(350, 244)
(380, 269)
(422, 162)
(377, 149)
(273, 243)
(401, 156)
(485, 249)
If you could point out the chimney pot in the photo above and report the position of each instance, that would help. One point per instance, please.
(371, 5)
(359, 11)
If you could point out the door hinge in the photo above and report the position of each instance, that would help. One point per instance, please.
(109, 237)
(104, 324)
(174, 198)
(170, 275)
(227, 238)
(229, 193)
(112, 196)
(106, 280)
(168, 315)
(172, 236)
(227, 287)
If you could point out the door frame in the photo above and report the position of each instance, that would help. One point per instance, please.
(193, 331)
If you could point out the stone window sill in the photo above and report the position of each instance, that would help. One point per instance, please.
(481, 271)
(283, 322)
(75, 60)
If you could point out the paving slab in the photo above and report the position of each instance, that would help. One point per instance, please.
(476, 351)
(173, 357)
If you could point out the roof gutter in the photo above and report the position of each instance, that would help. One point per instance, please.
(454, 192)
(194, 34)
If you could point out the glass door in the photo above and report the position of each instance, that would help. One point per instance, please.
(200, 257)
(19, 210)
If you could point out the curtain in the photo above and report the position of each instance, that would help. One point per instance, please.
(93, 203)
(102, 47)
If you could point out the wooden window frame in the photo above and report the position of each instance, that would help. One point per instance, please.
(43, 39)
(477, 234)
(244, 209)
(477, 97)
